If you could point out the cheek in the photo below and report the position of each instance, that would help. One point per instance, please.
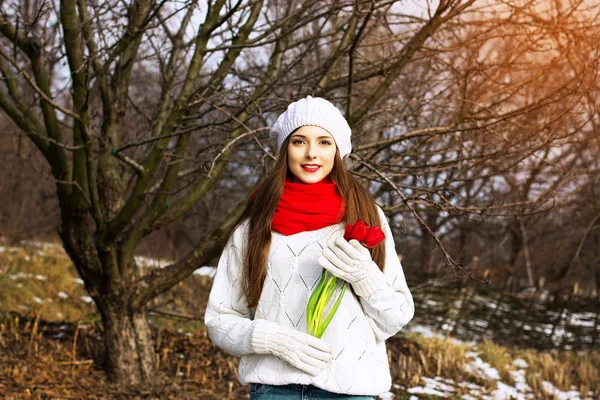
(291, 154)
(331, 154)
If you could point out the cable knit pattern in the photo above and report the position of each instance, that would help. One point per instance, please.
(379, 307)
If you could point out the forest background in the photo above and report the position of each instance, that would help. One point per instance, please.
(140, 128)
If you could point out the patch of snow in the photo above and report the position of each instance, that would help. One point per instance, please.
(438, 383)
(479, 322)
(144, 261)
(448, 381)
(63, 295)
(520, 363)
(506, 392)
(520, 381)
(40, 278)
(20, 275)
(471, 386)
(87, 299)
(459, 342)
(426, 332)
(386, 396)
(433, 387)
(558, 394)
(426, 390)
(483, 369)
(78, 280)
(206, 271)
(42, 245)
(583, 319)
(38, 300)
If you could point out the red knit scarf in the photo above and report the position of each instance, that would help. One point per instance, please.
(308, 207)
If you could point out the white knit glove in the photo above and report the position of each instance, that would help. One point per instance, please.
(352, 262)
(301, 350)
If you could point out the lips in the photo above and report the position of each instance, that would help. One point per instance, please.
(311, 168)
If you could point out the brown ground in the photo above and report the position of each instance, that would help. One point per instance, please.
(62, 361)
(43, 363)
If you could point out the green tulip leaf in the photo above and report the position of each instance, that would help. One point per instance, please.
(325, 323)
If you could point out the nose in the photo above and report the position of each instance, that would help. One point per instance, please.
(311, 151)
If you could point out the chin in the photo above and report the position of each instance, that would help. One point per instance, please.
(312, 179)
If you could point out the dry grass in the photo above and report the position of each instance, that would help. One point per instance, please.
(40, 360)
(53, 349)
(415, 356)
(36, 278)
(497, 356)
(566, 370)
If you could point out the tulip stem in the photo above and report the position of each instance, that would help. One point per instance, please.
(318, 302)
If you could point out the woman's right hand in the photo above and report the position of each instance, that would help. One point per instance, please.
(299, 349)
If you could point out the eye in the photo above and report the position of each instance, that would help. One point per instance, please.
(327, 142)
(296, 141)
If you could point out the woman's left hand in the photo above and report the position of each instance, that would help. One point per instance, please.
(349, 261)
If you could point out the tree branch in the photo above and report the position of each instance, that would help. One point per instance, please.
(160, 280)
(45, 97)
(163, 127)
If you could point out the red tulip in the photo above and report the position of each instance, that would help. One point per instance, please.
(361, 231)
(358, 232)
(348, 233)
(374, 237)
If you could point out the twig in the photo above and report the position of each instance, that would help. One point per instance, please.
(176, 315)
(74, 362)
(137, 167)
(39, 91)
(34, 329)
(231, 142)
(581, 243)
(449, 260)
(74, 349)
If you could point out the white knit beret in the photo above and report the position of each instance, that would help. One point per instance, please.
(313, 111)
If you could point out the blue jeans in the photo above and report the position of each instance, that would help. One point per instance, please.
(259, 391)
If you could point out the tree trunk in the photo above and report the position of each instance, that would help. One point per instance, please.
(129, 347)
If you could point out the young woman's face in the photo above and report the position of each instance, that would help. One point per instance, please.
(311, 153)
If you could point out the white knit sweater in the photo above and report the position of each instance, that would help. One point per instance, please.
(356, 335)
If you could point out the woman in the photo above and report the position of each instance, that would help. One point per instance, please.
(292, 228)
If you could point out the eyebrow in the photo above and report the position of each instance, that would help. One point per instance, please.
(320, 137)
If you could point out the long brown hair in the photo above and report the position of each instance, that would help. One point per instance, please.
(261, 208)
